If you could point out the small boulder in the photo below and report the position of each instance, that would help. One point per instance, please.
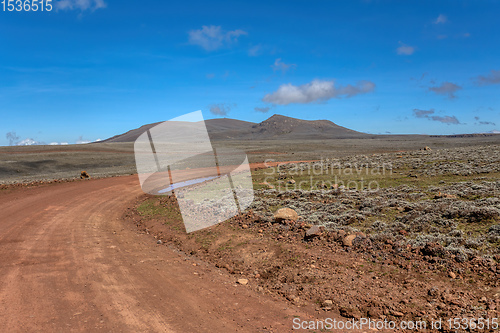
(314, 231)
(397, 314)
(347, 241)
(341, 234)
(84, 175)
(283, 214)
(328, 303)
(243, 282)
(433, 250)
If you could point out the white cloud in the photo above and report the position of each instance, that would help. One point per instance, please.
(446, 119)
(221, 109)
(14, 140)
(404, 49)
(264, 109)
(213, 37)
(492, 78)
(422, 113)
(29, 142)
(255, 51)
(315, 91)
(80, 4)
(428, 114)
(484, 122)
(281, 66)
(446, 88)
(441, 19)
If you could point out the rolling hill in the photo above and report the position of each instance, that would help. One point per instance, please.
(276, 127)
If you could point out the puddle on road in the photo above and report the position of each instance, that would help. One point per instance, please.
(186, 183)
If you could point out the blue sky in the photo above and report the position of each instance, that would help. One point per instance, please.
(91, 69)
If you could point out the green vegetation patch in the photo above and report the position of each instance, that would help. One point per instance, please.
(152, 208)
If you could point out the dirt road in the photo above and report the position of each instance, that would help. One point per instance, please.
(69, 263)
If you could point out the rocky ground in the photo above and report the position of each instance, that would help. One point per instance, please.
(423, 244)
(451, 197)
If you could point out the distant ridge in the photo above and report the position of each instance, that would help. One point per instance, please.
(276, 127)
(471, 135)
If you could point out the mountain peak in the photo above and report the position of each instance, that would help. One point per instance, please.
(275, 127)
(280, 117)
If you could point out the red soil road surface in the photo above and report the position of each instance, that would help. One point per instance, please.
(68, 263)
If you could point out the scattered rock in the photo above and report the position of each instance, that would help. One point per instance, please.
(159, 242)
(445, 195)
(285, 214)
(291, 181)
(347, 241)
(350, 313)
(433, 250)
(340, 235)
(361, 235)
(452, 275)
(84, 175)
(314, 231)
(327, 303)
(229, 268)
(243, 282)
(374, 312)
(270, 186)
(397, 314)
(456, 302)
(433, 292)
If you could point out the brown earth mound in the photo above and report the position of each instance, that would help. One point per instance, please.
(340, 274)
